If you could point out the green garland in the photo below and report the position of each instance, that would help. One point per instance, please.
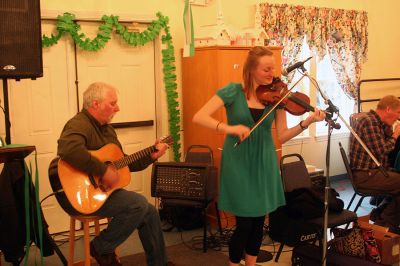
(66, 24)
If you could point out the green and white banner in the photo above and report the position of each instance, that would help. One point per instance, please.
(188, 48)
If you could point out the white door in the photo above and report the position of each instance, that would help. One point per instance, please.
(131, 70)
(40, 108)
(38, 111)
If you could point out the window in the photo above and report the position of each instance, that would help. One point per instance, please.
(303, 86)
(322, 71)
(327, 81)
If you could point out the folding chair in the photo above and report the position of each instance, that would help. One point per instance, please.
(295, 176)
(376, 199)
(357, 191)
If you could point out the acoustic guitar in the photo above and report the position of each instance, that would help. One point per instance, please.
(79, 193)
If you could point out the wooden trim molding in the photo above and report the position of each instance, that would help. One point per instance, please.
(146, 123)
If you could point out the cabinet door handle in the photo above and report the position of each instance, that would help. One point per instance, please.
(236, 66)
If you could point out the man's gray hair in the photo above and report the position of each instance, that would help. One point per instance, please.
(95, 92)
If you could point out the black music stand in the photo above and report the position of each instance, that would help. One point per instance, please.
(13, 152)
(17, 152)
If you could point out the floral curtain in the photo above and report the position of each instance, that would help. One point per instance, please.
(341, 33)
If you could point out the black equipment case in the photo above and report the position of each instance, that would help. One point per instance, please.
(310, 255)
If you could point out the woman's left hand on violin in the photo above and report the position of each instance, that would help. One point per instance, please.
(317, 116)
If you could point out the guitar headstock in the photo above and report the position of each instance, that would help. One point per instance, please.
(167, 140)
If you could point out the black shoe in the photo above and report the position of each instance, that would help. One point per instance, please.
(373, 201)
(375, 215)
(105, 259)
(394, 230)
(382, 223)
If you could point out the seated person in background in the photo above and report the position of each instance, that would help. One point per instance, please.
(90, 130)
(380, 201)
(373, 130)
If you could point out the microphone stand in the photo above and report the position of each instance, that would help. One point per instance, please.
(332, 109)
(6, 112)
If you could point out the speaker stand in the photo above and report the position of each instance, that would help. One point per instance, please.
(6, 111)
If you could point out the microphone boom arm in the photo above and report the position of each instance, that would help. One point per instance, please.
(334, 109)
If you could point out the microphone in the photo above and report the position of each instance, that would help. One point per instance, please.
(289, 69)
(333, 124)
(329, 114)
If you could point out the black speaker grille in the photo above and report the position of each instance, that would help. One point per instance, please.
(20, 39)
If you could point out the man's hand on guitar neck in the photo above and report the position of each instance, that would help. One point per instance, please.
(160, 150)
(109, 179)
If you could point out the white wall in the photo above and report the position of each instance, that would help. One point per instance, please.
(383, 52)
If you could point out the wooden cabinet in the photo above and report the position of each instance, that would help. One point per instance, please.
(208, 70)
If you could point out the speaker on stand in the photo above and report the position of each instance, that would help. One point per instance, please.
(20, 53)
(20, 46)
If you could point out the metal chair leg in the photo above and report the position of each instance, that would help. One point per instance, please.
(218, 218)
(278, 254)
(351, 201)
(205, 231)
(359, 204)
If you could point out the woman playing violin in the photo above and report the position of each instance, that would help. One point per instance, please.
(250, 183)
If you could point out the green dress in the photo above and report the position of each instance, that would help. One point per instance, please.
(250, 182)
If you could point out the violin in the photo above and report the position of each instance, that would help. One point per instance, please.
(296, 103)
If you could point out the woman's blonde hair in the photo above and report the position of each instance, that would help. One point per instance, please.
(251, 63)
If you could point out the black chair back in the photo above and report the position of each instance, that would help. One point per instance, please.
(199, 154)
(294, 230)
(347, 164)
(294, 174)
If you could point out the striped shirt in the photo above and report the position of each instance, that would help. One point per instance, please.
(371, 130)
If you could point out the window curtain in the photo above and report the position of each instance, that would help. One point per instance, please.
(341, 33)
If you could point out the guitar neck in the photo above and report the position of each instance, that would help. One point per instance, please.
(127, 160)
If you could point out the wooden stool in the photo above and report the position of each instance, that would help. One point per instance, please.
(86, 237)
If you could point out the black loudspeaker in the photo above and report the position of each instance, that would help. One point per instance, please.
(184, 181)
(20, 39)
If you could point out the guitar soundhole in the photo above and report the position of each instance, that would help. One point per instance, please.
(93, 180)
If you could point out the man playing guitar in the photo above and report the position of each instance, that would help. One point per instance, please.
(88, 131)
